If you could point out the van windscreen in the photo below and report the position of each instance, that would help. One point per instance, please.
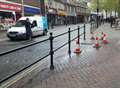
(20, 23)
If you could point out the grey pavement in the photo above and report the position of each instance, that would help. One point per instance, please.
(93, 68)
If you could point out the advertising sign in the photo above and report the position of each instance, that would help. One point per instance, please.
(12, 7)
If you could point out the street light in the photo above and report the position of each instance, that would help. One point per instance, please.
(97, 13)
(42, 7)
(119, 8)
(22, 4)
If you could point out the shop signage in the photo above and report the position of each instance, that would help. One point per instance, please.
(62, 13)
(53, 11)
(12, 7)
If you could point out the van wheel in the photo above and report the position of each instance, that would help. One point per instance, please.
(45, 32)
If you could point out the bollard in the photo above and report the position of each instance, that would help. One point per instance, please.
(78, 41)
(51, 51)
(94, 25)
(69, 42)
(91, 27)
(84, 32)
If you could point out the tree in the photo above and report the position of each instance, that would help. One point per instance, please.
(94, 4)
(107, 5)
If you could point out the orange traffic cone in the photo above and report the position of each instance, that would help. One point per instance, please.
(77, 50)
(92, 36)
(97, 43)
(104, 41)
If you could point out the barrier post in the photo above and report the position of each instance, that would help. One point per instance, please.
(84, 32)
(69, 42)
(78, 41)
(91, 27)
(51, 51)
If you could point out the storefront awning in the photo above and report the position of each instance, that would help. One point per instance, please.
(30, 10)
(52, 11)
(61, 13)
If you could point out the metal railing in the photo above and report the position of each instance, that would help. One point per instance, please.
(52, 50)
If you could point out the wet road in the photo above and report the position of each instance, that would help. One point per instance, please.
(15, 61)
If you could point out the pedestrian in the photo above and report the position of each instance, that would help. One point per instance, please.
(66, 21)
(28, 29)
(52, 24)
(111, 21)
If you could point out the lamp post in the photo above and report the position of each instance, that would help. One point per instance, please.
(22, 4)
(119, 8)
(97, 13)
(42, 7)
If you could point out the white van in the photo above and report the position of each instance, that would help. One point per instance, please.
(18, 31)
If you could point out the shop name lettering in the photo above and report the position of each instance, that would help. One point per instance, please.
(10, 7)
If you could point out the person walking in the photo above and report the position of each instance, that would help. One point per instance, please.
(52, 24)
(28, 29)
(111, 21)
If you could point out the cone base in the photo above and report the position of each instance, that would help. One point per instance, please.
(105, 42)
(96, 46)
(77, 52)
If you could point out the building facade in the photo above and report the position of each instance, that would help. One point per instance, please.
(10, 11)
(58, 12)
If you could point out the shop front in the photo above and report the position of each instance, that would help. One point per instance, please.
(80, 12)
(71, 19)
(9, 12)
(80, 18)
(61, 17)
(51, 17)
